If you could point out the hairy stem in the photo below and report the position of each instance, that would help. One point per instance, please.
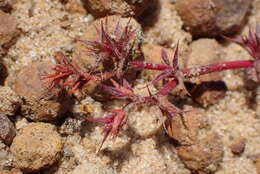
(197, 71)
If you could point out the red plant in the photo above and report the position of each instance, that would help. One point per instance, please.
(112, 46)
(116, 48)
(252, 44)
(179, 76)
(125, 92)
(68, 75)
(113, 123)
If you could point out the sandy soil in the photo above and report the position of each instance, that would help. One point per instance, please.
(47, 26)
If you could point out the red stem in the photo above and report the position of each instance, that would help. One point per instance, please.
(197, 71)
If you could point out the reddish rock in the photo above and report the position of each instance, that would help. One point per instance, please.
(213, 17)
(185, 128)
(10, 102)
(238, 146)
(75, 6)
(41, 104)
(204, 156)
(101, 8)
(7, 130)
(7, 28)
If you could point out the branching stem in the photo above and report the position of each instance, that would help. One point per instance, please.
(197, 71)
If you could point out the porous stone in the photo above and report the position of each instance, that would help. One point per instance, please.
(145, 121)
(75, 6)
(212, 17)
(41, 104)
(7, 28)
(186, 128)
(238, 146)
(101, 8)
(9, 101)
(7, 130)
(205, 155)
(6, 5)
(36, 146)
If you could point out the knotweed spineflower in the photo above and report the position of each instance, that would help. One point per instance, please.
(116, 47)
(113, 123)
(170, 71)
(68, 75)
(113, 46)
(251, 43)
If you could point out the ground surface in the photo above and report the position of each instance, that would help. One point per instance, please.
(48, 26)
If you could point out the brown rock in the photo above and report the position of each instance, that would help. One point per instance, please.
(7, 130)
(41, 104)
(204, 156)
(7, 28)
(146, 121)
(238, 146)
(9, 101)
(36, 146)
(186, 128)
(75, 6)
(207, 89)
(212, 17)
(101, 8)
(6, 5)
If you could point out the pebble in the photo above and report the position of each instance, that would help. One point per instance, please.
(103, 8)
(7, 130)
(7, 28)
(205, 156)
(238, 146)
(185, 128)
(9, 101)
(75, 6)
(41, 104)
(36, 146)
(6, 5)
(145, 121)
(213, 17)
